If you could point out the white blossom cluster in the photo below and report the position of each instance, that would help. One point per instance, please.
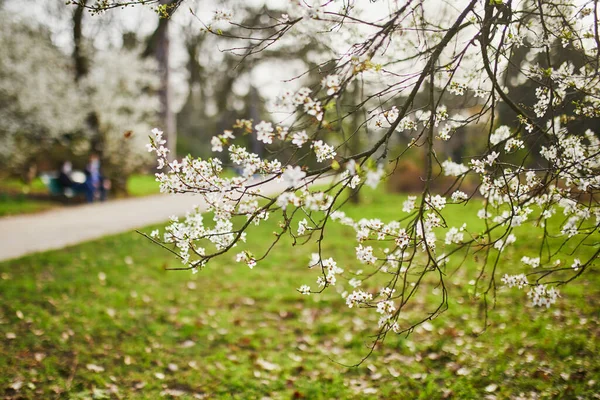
(527, 169)
(301, 99)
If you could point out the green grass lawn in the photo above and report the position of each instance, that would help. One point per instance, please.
(21, 204)
(142, 185)
(105, 320)
(18, 198)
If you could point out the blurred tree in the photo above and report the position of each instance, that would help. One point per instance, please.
(159, 46)
(59, 107)
(40, 103)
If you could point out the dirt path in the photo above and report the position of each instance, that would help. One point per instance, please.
(55, 229)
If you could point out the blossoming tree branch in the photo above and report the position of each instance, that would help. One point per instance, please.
(418, 73)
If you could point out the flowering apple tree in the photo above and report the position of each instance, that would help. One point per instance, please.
(414, 61)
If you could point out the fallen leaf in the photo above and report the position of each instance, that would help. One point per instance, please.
(173, 392)
(94, 368)
(491, 388)
(266, 365)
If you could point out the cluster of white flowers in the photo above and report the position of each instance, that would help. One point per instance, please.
(223, 15)
(293, 176)
(217, 142)
(304, 289)
(455, 235)
(299, 138)
(519, 280)
(533, 262)
(454, 169)
(459, 196)
(264, 132)
(358, 297)
(543, 95)
(409, 204)
(247, 258)
(386, 118)
(329, 270)
(302, 98)
(501, 244)
(331, 83)
(516, 189)
(540, 295)
(323, 151)
(500, 134)
(373, 177)
(457, 88)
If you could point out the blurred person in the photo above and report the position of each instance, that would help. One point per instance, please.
(71, 182)
(95, 182)
(64, 176)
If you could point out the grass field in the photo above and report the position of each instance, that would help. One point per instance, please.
(142, 185)
(105, 320)
(18, 198)
(21, 204)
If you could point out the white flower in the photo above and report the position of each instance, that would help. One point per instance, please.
(365, 254)
(453, 169)
(533, 262)
(299, 138)
(500, 134)
(515, 280)
(216, 144)
(402, 239)
(222, 15)
(354, 181)
(459, 196)
(331, 83)
(409, 204)
(304, 289)
(437, 202)
(293, 176)
(264, 132)
(323, 151)
(373, 177)
(354, 282)
(513, 144)
(501, 245)
(358, 297)
(540, 296)
(246, 257)
(454, 236)
(302, 227)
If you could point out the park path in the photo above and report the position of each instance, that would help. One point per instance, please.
(55, 229)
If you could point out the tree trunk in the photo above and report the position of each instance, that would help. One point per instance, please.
(254, 111)
(158, 46)
(81, 62)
